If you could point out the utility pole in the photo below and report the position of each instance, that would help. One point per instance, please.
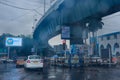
(34, 49)
(44, 6)
(64, 47)
(8, 52)
(51, 1)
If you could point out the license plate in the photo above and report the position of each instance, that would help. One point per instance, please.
(35, 61)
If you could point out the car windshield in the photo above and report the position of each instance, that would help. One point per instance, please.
(34, 57)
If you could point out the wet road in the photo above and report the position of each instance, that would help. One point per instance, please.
(10, 72)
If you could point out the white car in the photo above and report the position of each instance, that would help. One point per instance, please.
(33, 62)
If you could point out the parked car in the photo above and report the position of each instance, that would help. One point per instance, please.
(10, 61)
(3, 60)
(33, 62)
(114, 60)
(20, 61)
(95, 61)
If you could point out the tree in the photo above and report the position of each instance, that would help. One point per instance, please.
(24, 50)
(93, 26)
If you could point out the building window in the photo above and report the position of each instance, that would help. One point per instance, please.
(101, 38)
(108, 37)
(117, 54)
(116, 45)
(115, 36)
(101, 47)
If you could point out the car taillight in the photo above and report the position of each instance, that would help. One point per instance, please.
(28, 61)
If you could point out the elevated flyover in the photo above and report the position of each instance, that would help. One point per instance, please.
(72, 13)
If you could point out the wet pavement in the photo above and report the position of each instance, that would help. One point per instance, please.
(10, 72)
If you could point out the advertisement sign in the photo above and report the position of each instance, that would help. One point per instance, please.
(11, 41)
(73, 49)
(65, 32)
(79, 49)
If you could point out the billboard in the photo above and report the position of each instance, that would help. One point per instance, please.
(65, 34)
(11, 41)
(79, 49)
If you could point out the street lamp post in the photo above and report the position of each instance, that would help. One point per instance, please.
(34, 42)
(44, 6)
(8, 56)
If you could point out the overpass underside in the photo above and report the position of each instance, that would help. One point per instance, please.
(87, 14)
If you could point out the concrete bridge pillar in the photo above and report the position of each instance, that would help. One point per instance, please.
(78, 33)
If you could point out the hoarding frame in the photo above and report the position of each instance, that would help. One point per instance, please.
(13, 42)
(65, 32)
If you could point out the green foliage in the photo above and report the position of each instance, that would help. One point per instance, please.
(94, 25)
(20, 51)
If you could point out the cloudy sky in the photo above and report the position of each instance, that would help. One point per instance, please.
(111, 24)
(18, 17)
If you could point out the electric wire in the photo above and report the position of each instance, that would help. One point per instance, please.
(10, 5)
(35, 10)
(21, 7)
(3, 3)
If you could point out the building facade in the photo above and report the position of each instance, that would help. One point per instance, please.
(110, 41)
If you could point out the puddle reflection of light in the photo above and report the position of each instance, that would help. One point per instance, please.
(51, 77)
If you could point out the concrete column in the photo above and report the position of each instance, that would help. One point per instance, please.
(76, 34)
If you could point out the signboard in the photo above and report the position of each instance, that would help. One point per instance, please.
(11, 41)
(79, 49)
(73, 49)
(65, 32)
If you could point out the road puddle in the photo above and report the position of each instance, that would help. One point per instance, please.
(51, 77)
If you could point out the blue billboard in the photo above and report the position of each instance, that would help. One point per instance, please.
(11, 41)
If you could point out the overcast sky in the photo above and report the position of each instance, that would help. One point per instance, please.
(18, 17)
(111, 24)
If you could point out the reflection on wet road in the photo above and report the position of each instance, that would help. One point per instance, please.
(10, 72)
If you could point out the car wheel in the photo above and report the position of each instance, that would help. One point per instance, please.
(41, 69)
